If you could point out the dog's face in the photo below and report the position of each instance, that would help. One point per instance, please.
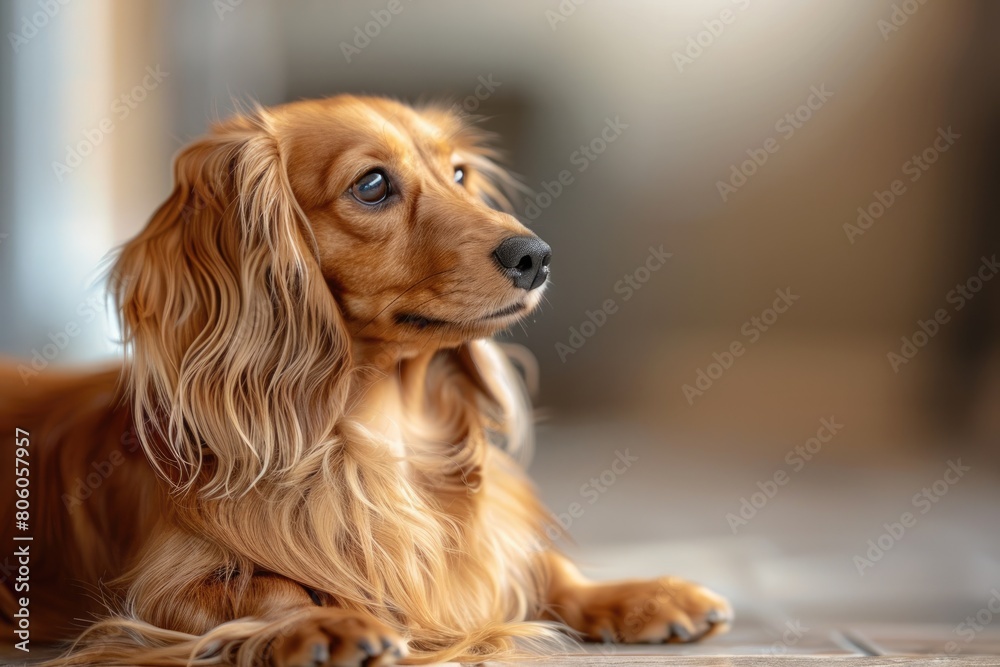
(397, 203)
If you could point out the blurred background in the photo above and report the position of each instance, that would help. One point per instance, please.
(822, 174)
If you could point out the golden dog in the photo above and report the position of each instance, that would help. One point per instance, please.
(311, 448)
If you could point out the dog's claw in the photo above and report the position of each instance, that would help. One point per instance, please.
(321, 654)
(367, 647)
(715, 616)
(679, 631)
(332, 637)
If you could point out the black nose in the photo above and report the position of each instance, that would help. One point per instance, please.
(525, 259)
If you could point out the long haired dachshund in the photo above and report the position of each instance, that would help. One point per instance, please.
(310, 455)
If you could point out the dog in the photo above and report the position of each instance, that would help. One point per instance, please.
(310, 455)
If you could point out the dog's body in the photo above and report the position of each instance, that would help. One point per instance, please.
(311, 455)
(93, 497)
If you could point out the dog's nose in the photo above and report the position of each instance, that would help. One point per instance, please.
(525, 259)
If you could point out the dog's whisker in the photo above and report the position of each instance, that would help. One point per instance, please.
(401, 295)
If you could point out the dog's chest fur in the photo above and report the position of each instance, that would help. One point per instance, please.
(432, 435)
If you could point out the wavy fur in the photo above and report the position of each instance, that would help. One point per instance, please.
(315, 436)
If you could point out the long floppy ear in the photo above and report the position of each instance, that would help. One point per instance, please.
(238, 355)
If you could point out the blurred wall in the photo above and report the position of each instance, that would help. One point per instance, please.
(689, 91)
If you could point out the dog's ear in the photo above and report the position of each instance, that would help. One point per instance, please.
(237, 354)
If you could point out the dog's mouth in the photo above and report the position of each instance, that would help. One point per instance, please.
(423, 321)
(504, 312)
(418, 321)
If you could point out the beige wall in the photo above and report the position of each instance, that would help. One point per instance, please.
(657, 182)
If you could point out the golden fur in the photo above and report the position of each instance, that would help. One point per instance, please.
(295, 461)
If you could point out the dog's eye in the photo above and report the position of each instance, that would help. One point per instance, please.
(371, 188)
(460, 175)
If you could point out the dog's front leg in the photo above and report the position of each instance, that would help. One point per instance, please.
(293, 626)
(187, 600)
(667, 609)
(307, 631)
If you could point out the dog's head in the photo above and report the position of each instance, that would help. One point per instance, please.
(398, 203)
(300, 243)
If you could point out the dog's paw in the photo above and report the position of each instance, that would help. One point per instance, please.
(336, 638)
(659, 610)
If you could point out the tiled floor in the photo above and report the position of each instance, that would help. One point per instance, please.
(794, 560)
(651, 659)
(790, 571)
(748, 645)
